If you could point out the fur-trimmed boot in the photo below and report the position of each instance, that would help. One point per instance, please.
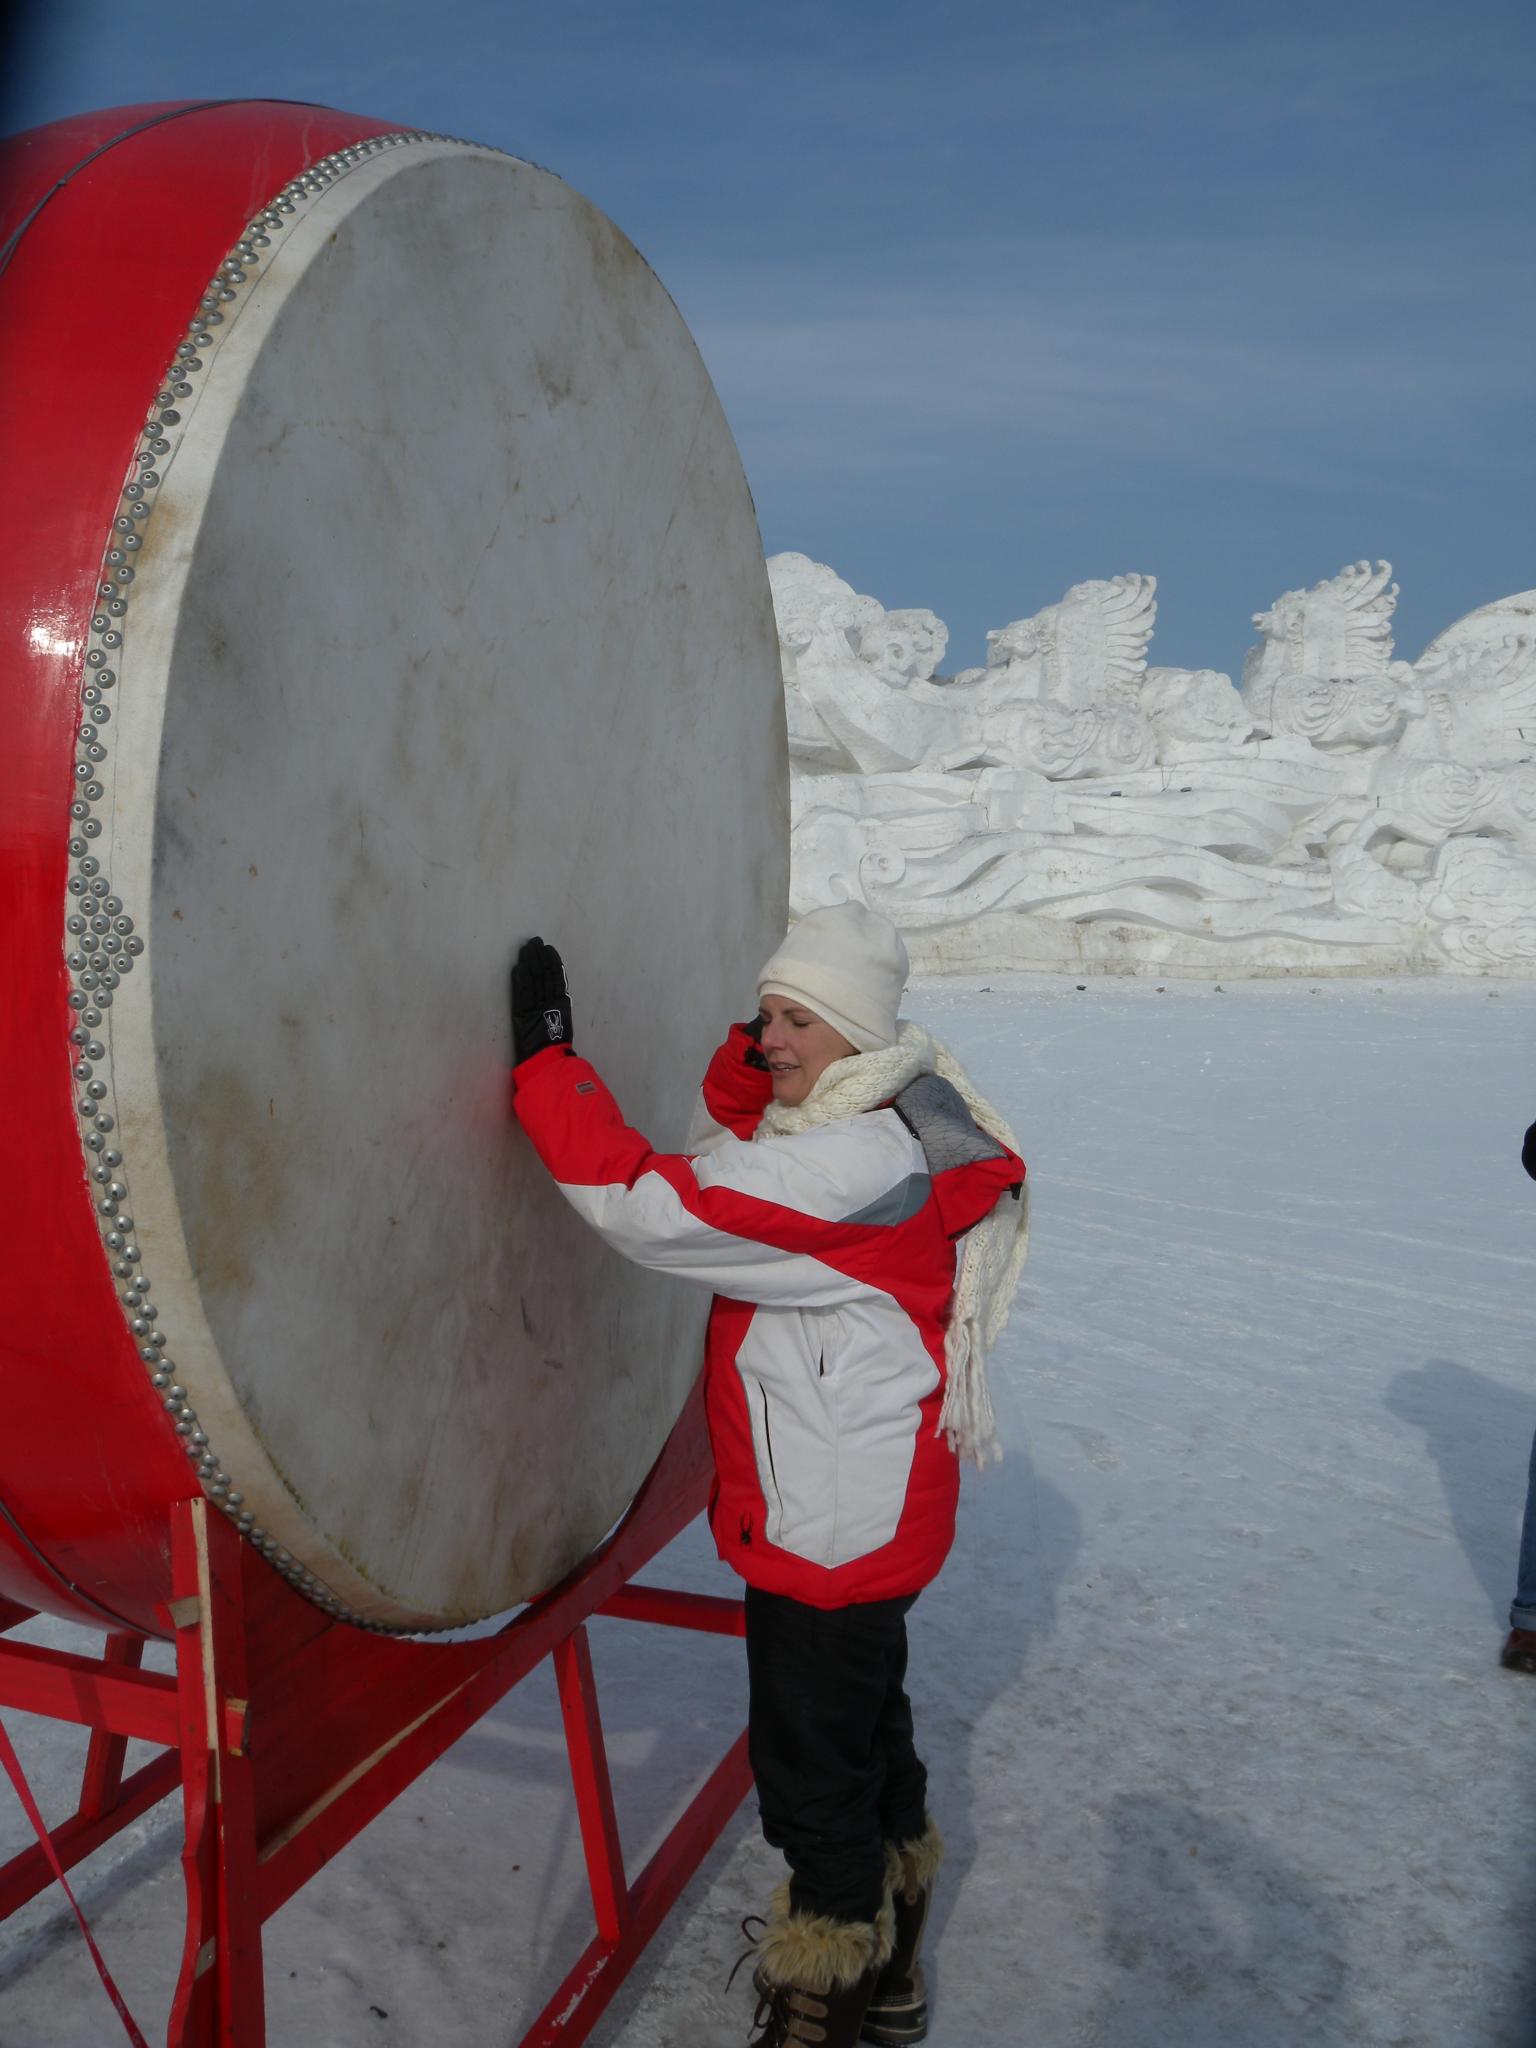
(815, 1976)
(898, 2009)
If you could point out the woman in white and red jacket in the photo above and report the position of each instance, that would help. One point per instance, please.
(838, 1158)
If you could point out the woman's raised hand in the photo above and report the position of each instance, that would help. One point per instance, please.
(541, 1001)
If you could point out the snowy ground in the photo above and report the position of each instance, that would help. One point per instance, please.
(1209, 1689)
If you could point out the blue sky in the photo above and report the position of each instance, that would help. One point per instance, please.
(999, 297)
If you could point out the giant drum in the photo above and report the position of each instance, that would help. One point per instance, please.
(381, 586)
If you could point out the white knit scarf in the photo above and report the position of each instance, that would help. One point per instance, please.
(992, 1254)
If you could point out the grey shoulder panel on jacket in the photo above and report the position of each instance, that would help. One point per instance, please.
(934, 1111)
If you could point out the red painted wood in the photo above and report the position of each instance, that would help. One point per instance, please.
(88, 1692)
(95, 1693)
(104, 1756)
(592, 1784)
(241, 1999)
(193, 2011)
(711, 1613)
(220, 1998)
(93, 301)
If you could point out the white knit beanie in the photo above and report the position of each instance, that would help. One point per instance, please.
(848, 964)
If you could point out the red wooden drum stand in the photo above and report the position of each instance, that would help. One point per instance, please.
(288, 1733)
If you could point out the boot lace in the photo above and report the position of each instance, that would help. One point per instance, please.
(784, 2016)
(753, 1941)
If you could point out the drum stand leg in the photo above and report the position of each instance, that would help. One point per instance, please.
(102, 1779)
(592, 1783)
(628, 1915)
(219, 2001)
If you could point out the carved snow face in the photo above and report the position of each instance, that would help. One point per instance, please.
(1286, 618)
(916, 642)
(904, 646)
(815, 609)
(796, 629)
(889, 651)
(1018, 642)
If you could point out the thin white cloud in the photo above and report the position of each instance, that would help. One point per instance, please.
(1260, 358)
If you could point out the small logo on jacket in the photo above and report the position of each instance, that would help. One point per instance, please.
(554, 1024)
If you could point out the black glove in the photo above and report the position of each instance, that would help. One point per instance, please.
(754, 1057)
(541, 1001)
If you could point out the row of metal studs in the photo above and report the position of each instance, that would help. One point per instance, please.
(102, 942)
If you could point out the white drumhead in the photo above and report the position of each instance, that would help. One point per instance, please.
(450, 624)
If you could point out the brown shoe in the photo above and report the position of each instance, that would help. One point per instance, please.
(815, 1976)
(898, 2010)
(1519, 1653)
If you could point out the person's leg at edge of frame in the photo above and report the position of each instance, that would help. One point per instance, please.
(1519, 1652)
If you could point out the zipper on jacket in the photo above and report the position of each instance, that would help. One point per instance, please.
(773, 1470)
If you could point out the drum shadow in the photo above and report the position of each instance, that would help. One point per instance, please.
(98, 1893)
(1210, 1938)
(1478, 1432)
(671, 1702)
(973, 1634)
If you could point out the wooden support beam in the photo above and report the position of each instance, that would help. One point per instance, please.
(712, 1613)
(97, 1694)
(593, 1784)
(105, 1753)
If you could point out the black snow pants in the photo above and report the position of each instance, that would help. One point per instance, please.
(830, 1734)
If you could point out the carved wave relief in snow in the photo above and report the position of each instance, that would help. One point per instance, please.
(1069, 805)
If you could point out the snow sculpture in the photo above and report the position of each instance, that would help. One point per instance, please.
(1341, 628)
(904, 646)
(863, 709)
(1067, 805)
(1089, 649)
(1194, 712)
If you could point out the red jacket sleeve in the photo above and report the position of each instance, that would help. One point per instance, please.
(966, 1193)
(734, 1094)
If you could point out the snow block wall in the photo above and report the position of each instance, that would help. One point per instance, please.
(1069, 806)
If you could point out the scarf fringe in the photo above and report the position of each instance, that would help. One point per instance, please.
(991, 1255)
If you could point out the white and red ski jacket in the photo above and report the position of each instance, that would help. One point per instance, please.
(831, 1254)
